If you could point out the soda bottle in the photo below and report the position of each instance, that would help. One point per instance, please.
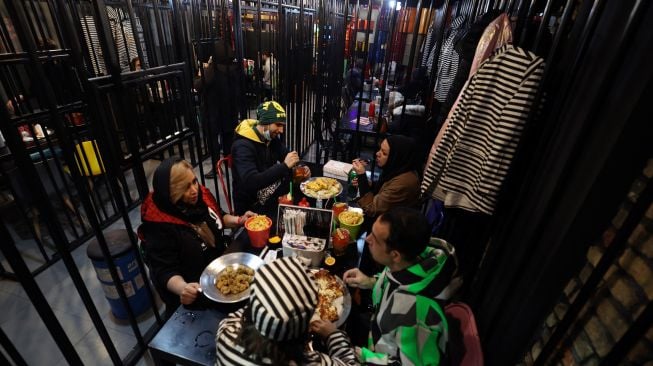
(352, 191)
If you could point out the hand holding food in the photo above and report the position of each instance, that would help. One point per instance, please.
(355, 278)
(323, 328)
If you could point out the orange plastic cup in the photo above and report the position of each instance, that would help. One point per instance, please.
(258, 238)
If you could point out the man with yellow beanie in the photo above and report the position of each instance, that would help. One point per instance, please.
(262, 163)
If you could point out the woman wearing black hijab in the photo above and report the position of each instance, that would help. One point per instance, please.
(182, 231)
(398, 184)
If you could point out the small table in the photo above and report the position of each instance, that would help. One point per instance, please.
(188, 337)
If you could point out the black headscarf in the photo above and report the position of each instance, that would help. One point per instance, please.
(402, 158)
(161, 196)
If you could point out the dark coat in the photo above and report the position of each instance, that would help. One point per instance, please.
(259, 171)
(172, 247)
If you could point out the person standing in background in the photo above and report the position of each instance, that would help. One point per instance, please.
(269, 68)
(220, 92)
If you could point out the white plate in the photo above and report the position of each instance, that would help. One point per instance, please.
(211, 272)
(342, 303)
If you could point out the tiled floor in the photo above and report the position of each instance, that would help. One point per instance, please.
(23, 325)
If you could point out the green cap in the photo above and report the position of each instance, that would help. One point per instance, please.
(270, 112)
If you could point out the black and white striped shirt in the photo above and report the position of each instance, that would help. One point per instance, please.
(472, 160)
(448, 61)
(229, 352)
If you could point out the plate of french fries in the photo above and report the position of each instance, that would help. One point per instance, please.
(321, 187)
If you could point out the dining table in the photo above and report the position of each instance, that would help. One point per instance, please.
(188, 336)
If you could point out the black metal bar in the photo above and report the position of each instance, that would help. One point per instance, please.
(526, 21)
(543, 25)
(135, 33)
(10, 349)
(634, 334)
(439, 34)
(413, 45)
(621, 238)
(161, 33)
(612, 253)
(56, 231)
(12, 255)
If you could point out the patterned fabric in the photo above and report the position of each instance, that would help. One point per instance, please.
(448, 61)
(283, 299)
(123, 37)
(429, 43)
(229, 352)
(409, 327)
(270, 112)
(472, 159)
(151, 213)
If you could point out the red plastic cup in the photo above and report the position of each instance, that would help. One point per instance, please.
(258, 238)
(283, 200)
(341, 239)
(338, 207)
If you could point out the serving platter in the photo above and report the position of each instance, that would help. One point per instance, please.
(327, 193)
(212, 271)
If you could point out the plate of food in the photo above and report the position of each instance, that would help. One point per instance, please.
(334, 301)
(321, 187)
(227, 279)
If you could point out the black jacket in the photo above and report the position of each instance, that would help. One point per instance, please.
(172, 247)
(260, 176)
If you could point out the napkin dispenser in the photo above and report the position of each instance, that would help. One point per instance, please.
(304, 246)
(337, 170)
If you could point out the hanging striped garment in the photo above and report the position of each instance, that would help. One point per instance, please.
(428, 45)
(448, 61)
(470, 163)
(123, 37)
(93, 45)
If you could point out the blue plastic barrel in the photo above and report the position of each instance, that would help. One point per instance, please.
(128, 271)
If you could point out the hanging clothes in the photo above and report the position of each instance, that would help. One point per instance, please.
(474, 154)
(496, 34)
(448, 61)
(483, 35)
(429, 43)
(465, 46)
(123, 37)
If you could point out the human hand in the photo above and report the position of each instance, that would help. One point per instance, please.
(354, 182)
(359, 166)
(189, 293)
(292, 158)
(249, 214)
(355, 278)
(323, 328)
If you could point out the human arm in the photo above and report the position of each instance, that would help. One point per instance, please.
(236, 221)
(187, 292)
(162, 247)
(402, 190)
(244, 160)
(355, 278)
(338, 344)
(423, 345)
